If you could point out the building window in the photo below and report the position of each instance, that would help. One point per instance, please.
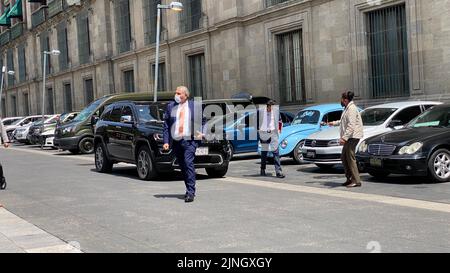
(63, 47)
(150, 14)
(197, 75)
(22, 63)
(84, 43)
(88, 91)
(26, 104)
(50, 102)
(191, 16)
(291, 83)
(10, 63)
(161, 76)
(45, 46)
(270, 3)
(14, 105)
(128, 81)
(388, 52)
(123, 25)
(67, 98)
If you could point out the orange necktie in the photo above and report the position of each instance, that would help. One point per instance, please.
(181, 121)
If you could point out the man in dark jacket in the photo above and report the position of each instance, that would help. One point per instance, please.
(183, 123)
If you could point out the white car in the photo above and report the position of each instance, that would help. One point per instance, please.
(19, 123)
(9, 121)
(323, 148)
(20, 133)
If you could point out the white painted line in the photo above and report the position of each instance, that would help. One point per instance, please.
(396, 201)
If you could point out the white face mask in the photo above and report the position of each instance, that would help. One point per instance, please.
(177, 99)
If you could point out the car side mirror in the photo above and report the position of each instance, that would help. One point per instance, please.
(126, 119)
(395, 123)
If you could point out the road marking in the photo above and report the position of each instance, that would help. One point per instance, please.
(396, 201)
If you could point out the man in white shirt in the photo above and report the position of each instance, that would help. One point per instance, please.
(268, 135)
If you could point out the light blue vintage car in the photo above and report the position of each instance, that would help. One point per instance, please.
(306, 122)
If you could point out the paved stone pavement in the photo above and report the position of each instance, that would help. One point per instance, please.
(19, 236)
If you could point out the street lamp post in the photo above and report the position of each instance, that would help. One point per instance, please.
(54, 52)
(175, 6)
(11, 73)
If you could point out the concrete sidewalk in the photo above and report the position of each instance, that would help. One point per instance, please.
(19, 236)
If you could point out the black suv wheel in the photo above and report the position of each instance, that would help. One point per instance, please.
(102, 163)
(86, 145)
(217, 172)
(146, 169)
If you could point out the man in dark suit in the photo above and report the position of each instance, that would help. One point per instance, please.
(183, 124)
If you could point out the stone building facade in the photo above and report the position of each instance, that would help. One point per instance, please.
(299, 52)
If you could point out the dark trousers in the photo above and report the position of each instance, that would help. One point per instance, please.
(1, 171)
(276, 158)
(185, 153)
(349, 161)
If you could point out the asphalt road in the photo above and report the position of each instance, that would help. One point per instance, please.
(307, 212)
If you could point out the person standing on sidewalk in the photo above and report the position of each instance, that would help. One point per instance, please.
(179, 128)
(269, 132)
(351, 131)
(6, 145)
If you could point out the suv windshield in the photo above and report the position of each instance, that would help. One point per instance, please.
(307, 117)
(88, 110)
(151, 112)
(376, 116)
(436, 117)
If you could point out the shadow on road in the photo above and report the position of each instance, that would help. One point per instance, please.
(399, 180)
(172, 196)
(131, 172)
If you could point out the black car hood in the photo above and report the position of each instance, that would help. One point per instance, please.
(409, 135)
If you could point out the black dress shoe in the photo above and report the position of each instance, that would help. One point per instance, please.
(346, 183)
(263, 173)
(189, 199)
(354, 185)
(280, 175)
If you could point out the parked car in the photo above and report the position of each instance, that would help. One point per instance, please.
(78, 136)
(235, 104)
(24, 121)
(9, 121)
(240, 130)
(421, 149)
(35, 130)
(131, 132)
(323, 149)
(21, 134)
(306, 122)
(46, 136)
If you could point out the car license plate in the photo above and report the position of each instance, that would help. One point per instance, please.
(202, 151)
(376, 162)
(311, 154)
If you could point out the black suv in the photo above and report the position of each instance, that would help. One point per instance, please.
(131, 132)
